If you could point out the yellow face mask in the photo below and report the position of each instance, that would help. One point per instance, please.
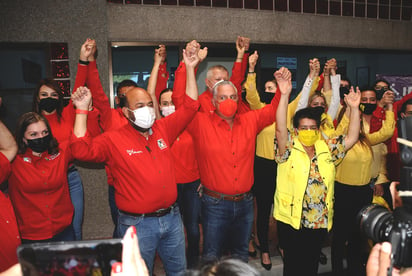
(308, 137)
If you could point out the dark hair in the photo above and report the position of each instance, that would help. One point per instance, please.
(125, 83)
(24, 121)
(403, 108)
(164, 91)
(380, 80)
(344, 78)
(309, 113)
(53, 85)
(367, 88)
(228, 267)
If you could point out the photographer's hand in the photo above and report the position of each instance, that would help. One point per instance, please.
(379, 261)
(132, 262)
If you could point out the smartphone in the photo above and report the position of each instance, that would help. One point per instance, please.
(94, 257)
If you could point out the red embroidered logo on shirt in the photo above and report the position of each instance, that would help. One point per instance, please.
(161, 143)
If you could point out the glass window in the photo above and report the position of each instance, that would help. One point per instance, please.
(295, 5)
(266, 5)
(322, 7)
(281, 5)
(236, 4)
(309, 6)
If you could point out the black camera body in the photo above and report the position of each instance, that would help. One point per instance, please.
(379, 224)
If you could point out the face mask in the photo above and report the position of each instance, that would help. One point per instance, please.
(367, 108)
(379, 93)
(319, 109)
(144, 117)
(39, 144)
(167, 110)
(48, 104)
(228, 108)
(308, 137)
(267, 97)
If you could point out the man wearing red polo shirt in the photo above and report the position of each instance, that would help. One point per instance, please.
(225, 146)
(139, 157)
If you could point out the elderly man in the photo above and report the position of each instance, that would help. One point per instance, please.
(225, 146)
(140, 160)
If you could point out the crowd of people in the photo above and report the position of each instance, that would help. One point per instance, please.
(178, 162)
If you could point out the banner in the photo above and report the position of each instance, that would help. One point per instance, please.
(400, 85)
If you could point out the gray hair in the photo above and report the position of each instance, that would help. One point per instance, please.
(217, 67)
(220, 83)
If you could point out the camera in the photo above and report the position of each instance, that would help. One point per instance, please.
(380, 224)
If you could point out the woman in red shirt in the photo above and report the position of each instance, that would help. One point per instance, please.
(48, 101)
(38, 182)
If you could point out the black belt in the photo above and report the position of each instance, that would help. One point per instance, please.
(157, 213)
(218, 195)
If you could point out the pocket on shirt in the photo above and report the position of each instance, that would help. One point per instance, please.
(284, 204)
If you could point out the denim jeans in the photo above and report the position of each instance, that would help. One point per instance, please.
(114, 211)
(189, 204)
(226, 222)
(77, 197)
(162, 234)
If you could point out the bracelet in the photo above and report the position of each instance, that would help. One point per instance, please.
(82, 111)
(84, 62)
(251, 72)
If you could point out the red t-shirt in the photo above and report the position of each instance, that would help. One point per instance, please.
(40, 194)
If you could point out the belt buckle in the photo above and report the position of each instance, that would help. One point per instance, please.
(237, 198)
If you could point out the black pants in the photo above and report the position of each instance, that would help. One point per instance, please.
(349, 200)
(265, 171)
(301, 249)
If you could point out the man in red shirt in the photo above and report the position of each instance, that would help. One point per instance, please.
(141, 162)
(225, 147)
(10, 237)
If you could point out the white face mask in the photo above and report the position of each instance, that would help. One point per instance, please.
(167, 110)
(144, 117)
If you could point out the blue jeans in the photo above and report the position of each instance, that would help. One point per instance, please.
(162, 234)
(226, 222)
(77, 197)
(114, 211)
(189, 204)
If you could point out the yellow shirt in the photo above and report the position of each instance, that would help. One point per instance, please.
(355, 168)
(265, 139)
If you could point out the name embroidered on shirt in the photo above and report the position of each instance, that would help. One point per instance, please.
(161, 144)
(132, 151)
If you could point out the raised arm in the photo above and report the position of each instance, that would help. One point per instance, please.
(281, 112)
(252, 95)
(81, 99)
(191, 59)
(352, 101)
(8, 145)
(151, 86)
(314, 67)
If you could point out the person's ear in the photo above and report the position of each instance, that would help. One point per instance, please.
(126, 113)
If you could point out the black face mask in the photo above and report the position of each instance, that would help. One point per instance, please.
(48, 104)
(267, 97)
(39, 144)
(379, 93)
(367, 108)
(343, 91)
(319, 109)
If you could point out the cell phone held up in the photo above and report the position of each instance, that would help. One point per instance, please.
(94, 257)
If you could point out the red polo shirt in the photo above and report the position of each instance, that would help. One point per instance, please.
(142, 169)
(40, 194)
(225, 155)
(10, 237)
(184, 157)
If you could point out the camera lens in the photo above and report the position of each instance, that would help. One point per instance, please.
(374, 221)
